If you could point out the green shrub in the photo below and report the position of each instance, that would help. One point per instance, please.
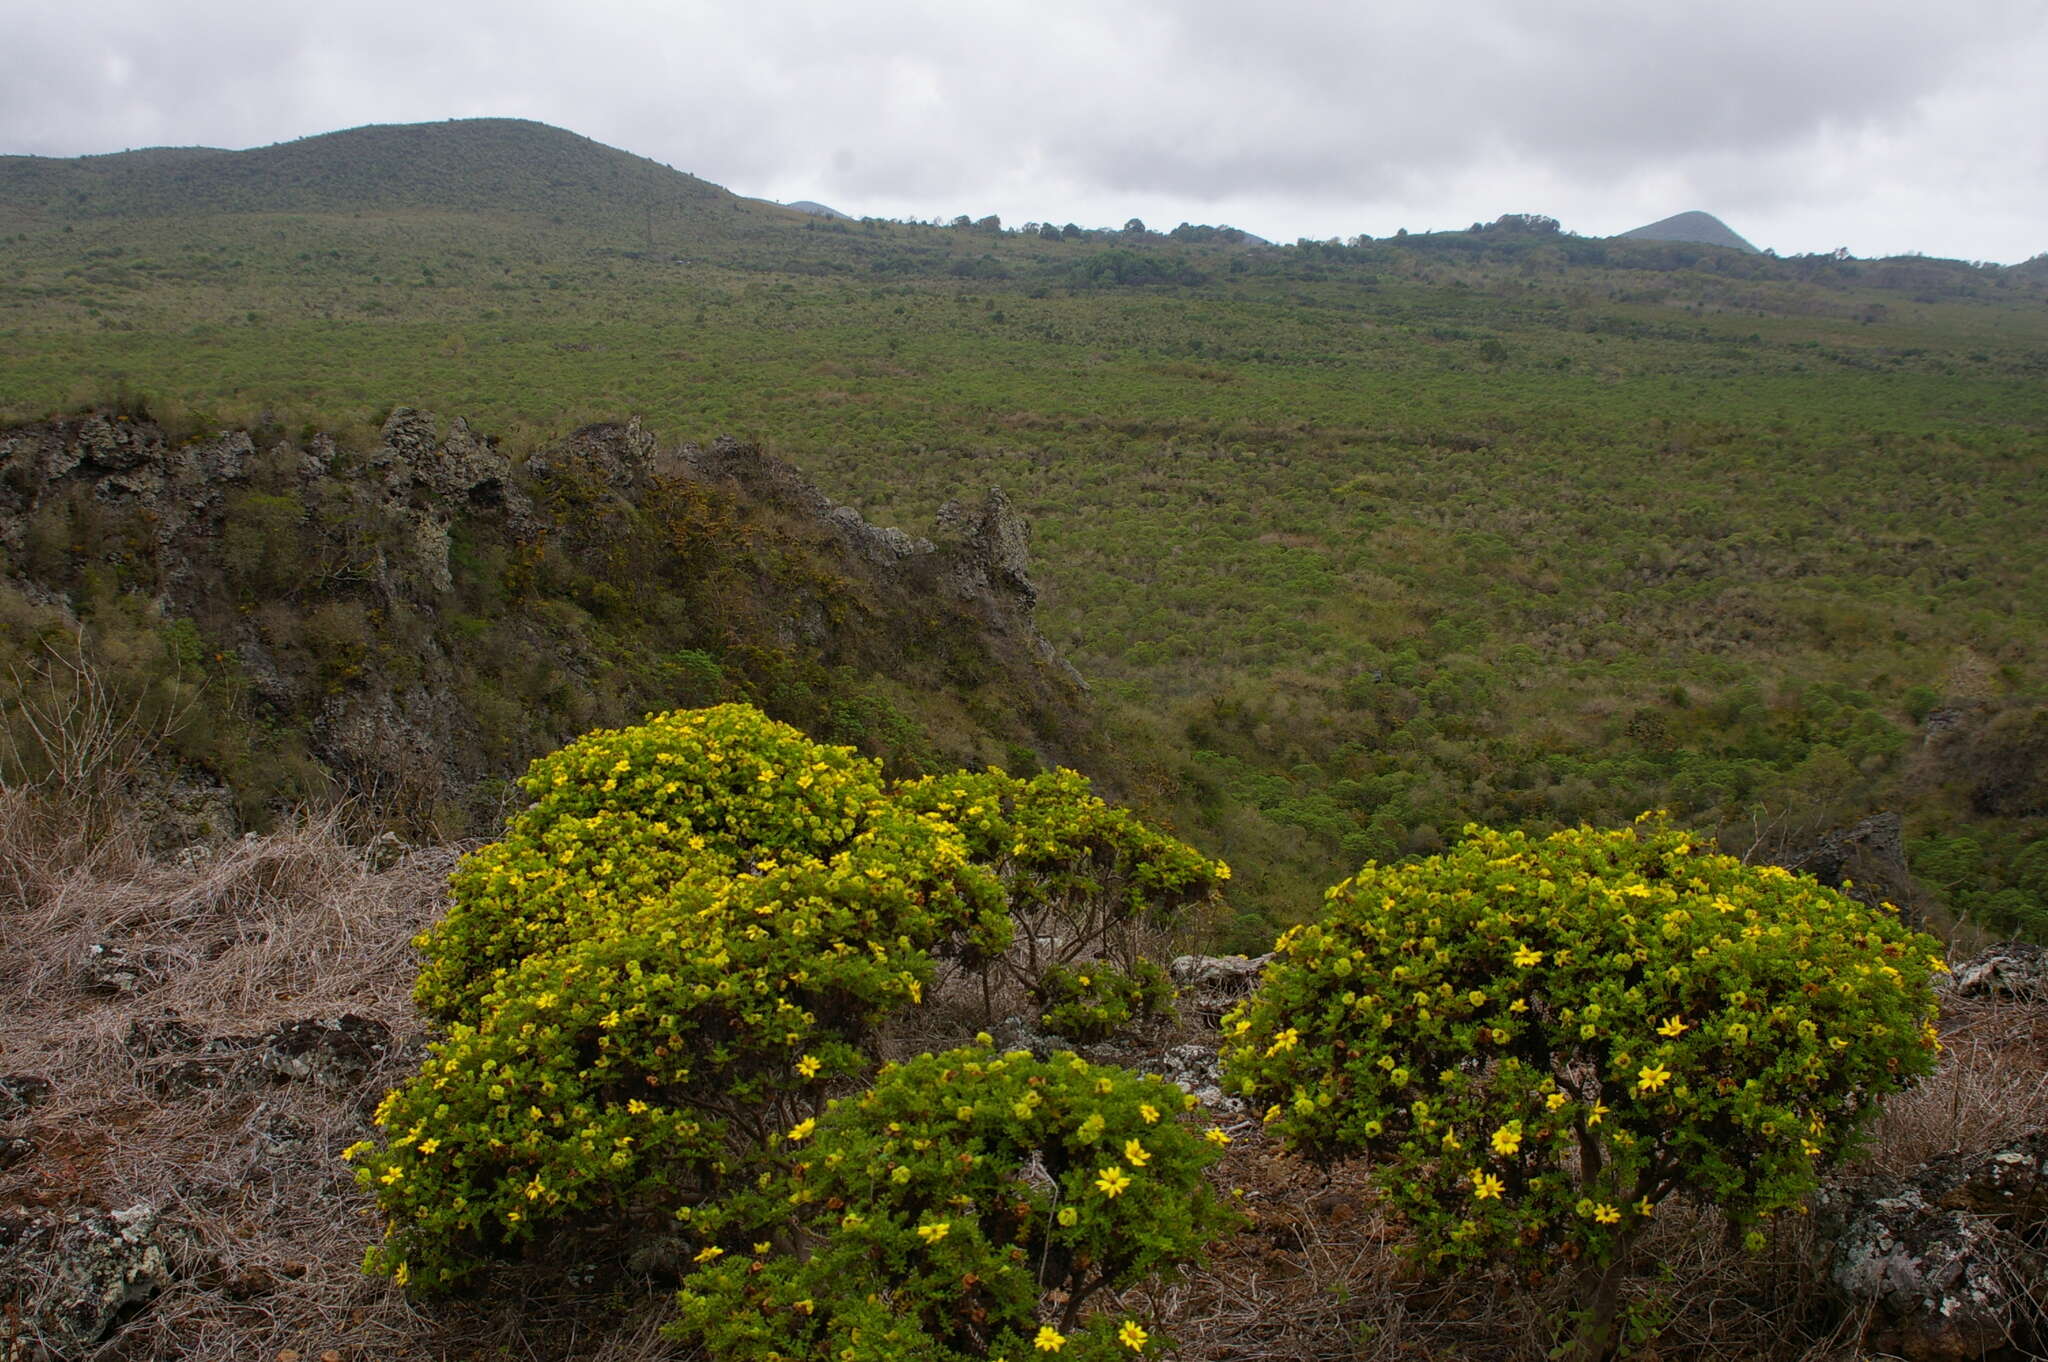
(1090, 1001)
(969, 1205)
(1538, 1042)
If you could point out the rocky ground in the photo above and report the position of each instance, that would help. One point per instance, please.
(187, 1042)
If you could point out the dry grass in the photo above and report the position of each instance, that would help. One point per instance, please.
(269, 1243)
(266, 1245)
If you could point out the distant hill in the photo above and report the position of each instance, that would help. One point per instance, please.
(482, 164)
(819, 210)
(1703, 229)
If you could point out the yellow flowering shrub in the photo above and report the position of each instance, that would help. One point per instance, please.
(970, 1205)
(622, 815)
(1089, 1001)
(628, 1031)
(1538, 1041)
(677, 951)
(1081, 877)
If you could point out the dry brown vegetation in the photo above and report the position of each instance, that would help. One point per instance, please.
(267, 1241)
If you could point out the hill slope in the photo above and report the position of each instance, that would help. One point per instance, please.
(1702, 229)
(413, 620)
(492, 165)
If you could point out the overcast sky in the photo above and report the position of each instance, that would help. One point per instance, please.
(1879, 125)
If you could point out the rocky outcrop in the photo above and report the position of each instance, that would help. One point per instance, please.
(1948, 1261)
(1869, 857)
(332, 584)
(2016, 969)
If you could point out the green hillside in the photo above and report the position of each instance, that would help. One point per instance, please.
(486, 165)
(1357, 541)
(1700, 228)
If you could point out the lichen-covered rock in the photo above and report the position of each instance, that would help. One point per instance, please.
(19, 1092)
(1196, 1069)
(385, 851)
(1018, 1033)
(1210, 985)
(2013, 970)
(335, 1052)
(278, 1131)
(1947, 1261)
(118, 970)
(75, 1279)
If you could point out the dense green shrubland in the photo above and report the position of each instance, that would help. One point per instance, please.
(1359, 541)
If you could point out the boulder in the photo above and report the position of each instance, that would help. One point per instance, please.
(1869, 857)
(2015, 969)
(1946, 1262)
(1196, 1069)
(1210, 985)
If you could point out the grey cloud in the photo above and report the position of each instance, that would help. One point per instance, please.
(1314, 116)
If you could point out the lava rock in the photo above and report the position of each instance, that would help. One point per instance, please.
(1946, 1260)
(2013, 970)
(80, 1277)
(1196, 1069)
(338, 1053)
(1210, 985)
(116, 971)
(19, 1092)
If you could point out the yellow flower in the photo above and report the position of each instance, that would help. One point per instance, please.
(1674, 1027)
(802, 1129)
(1136, 1154)
(1650, 1077)
(1485, 1186)
(1606, 1215)
(1644, 1208)
(1112, 1180)
(706, 1255)
(1215, 1135)
(429, 1146)
(932, 1234)
(1599, 1109)
(808, 1066)
(1286, 1040)
(1131, 1336)
(1148, 1112)
(1067, 1216)
(1555, 1100)
(1049, 1340)
(1508, 1138)
(1524, 957)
